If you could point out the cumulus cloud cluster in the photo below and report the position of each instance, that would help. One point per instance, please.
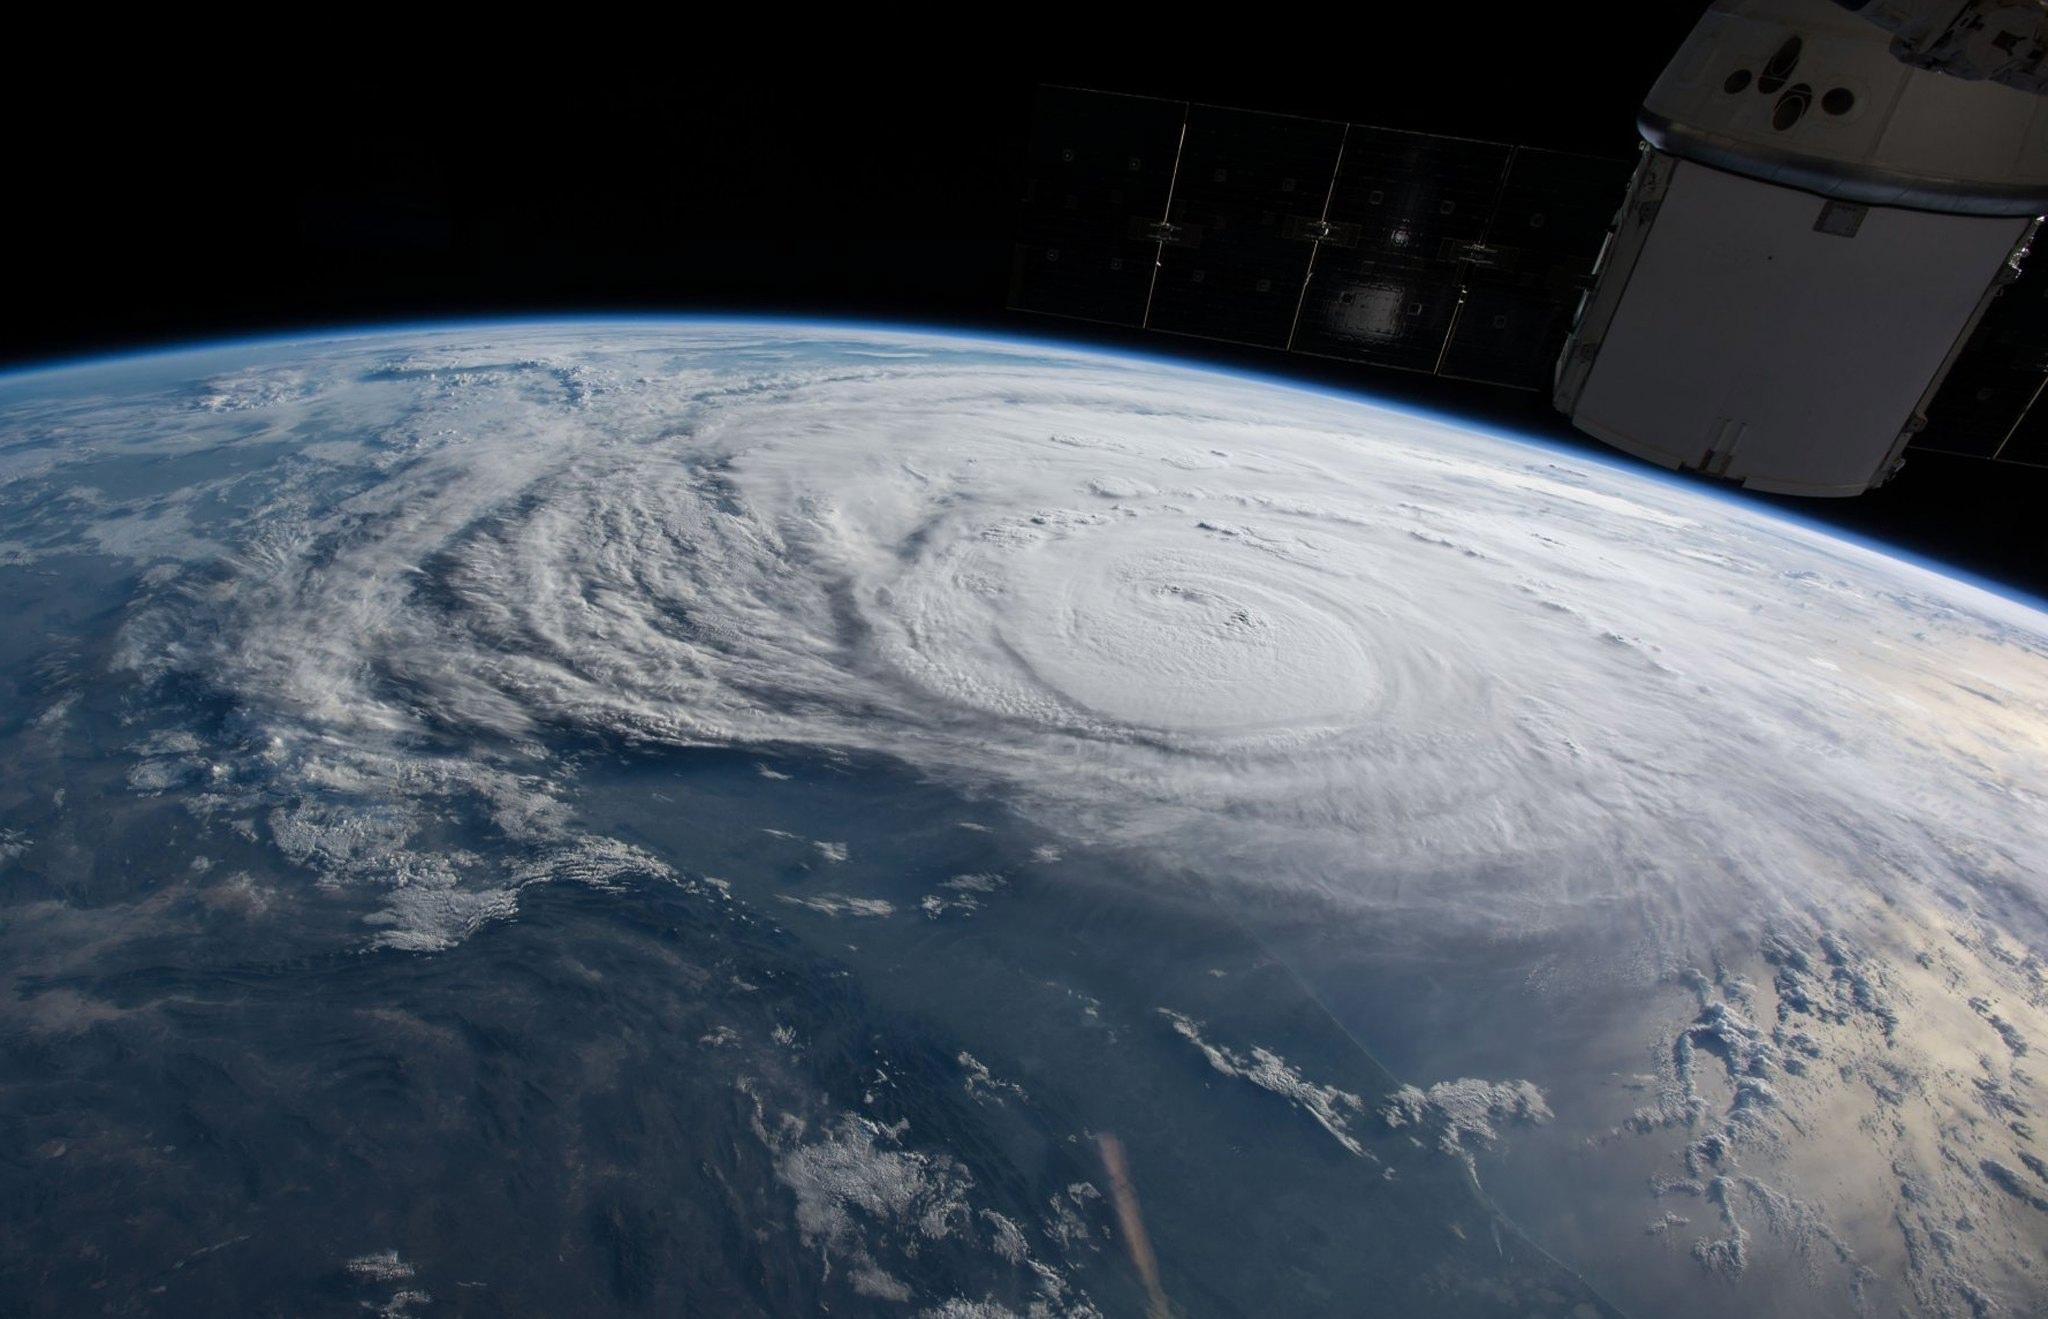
(1465, 1114)
(1333, 1109)
(878, 1210)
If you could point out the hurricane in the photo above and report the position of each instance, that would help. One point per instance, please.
(1482, 745)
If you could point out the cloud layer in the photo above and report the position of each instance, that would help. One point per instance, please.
(1308, 654)
(1151, 598)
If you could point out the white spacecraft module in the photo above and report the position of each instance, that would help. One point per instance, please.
(1830, 198)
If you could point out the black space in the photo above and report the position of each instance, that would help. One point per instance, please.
(873, 177)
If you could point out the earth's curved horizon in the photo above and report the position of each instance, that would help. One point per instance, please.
(764, 815)
(342, 331)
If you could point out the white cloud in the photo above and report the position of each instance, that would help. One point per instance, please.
(1323, 659)
(1333, 1109)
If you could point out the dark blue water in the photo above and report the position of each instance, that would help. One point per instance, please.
(216, 1099)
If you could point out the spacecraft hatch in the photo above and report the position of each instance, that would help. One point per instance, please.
(1815, 266)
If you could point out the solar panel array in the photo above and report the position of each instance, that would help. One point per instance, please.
(1374, 245)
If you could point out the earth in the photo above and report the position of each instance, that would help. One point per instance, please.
(742, 817)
